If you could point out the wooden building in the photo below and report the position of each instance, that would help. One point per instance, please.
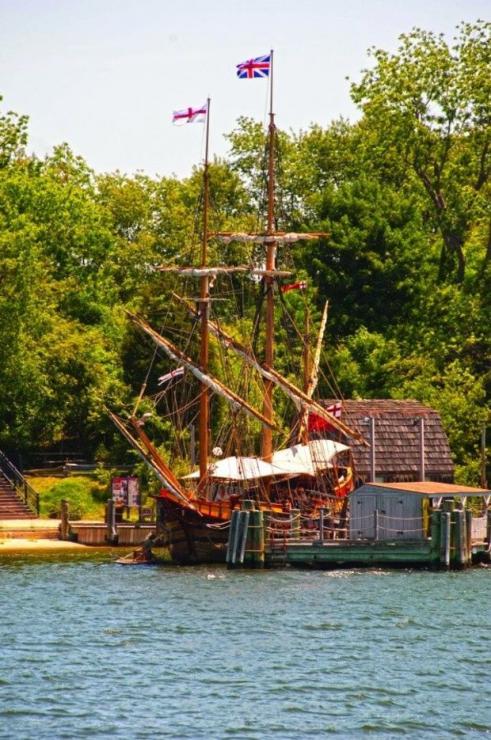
(401, 511)
(407, 441)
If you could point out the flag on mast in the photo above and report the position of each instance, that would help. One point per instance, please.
(190, 115)
(318, 424)
(258, 67)
(301, 285)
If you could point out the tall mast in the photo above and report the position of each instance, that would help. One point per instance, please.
(204, 406)
(267, 434)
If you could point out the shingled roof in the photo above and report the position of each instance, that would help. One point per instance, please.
(397, 440)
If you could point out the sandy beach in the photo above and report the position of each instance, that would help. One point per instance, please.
(19, 544)
(33, 535)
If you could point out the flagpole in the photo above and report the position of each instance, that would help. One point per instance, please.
(267, 433)
(204, 314)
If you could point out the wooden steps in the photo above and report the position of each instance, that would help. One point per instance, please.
(11, 506)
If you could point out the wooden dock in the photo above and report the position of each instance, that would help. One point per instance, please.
(450, 537)
(96, 533)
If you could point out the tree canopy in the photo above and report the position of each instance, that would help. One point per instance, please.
(403, 192)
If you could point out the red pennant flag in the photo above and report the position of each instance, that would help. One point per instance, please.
(301, 285)
(318, 424)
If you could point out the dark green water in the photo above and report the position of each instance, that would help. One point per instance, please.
(93, 649)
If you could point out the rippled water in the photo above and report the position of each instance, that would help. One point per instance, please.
(92, 649)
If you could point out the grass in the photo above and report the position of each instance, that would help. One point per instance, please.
(86, 497)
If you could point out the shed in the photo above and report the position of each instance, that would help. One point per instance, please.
(390, 511)
(407, 441)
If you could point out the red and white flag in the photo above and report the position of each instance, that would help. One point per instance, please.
(301, 285)
(190, 115)
(318, 424)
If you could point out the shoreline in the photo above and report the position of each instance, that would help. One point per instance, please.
(24, 544)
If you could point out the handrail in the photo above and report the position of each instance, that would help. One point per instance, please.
(22, 488)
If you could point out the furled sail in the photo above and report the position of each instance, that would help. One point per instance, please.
(278, 237)
(214, 271)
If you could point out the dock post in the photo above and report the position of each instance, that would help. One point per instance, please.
(468, 528)
(436, 525)
(488, 528)
(321, 525)
(111, 531)
(64, 524)
(376, 524)
(296, 523)
(460, 539)
(254, 553)
(446, 517)
(232, 539)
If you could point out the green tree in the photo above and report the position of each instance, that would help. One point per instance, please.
(431, 103)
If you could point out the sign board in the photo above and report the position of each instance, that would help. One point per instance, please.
(133, 491)
(125, 491)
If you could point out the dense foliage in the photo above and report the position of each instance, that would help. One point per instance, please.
(404, 194)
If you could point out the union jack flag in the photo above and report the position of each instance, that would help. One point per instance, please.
(258, 67)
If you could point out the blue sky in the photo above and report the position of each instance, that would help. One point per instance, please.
(105, 75)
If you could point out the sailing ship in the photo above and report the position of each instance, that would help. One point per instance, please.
(193, 511)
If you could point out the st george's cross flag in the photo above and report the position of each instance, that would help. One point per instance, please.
(318, 424)
(190, 115)
(258, 67)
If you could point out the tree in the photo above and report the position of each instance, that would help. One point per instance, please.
(431, 103)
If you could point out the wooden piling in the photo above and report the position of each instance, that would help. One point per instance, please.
(254, 552)
(232, 537)
(459, 554)
(321, 525)
(468, 528)
(111, 531)
(436, 525)
(65, 523)
(445, 543)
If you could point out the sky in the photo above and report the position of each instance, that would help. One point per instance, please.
(105, 75)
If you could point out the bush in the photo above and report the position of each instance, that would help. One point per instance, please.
(84, 498)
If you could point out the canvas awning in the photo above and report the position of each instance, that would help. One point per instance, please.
(297, 460)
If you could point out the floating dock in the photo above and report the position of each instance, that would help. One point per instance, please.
(390, 525)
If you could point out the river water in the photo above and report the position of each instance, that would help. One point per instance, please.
(93, 649)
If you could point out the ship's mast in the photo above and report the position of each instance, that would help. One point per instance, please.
(267, 434)
(204, 406)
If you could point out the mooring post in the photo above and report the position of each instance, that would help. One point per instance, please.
(256, 541)
(321, 525)
(445, 538)
(111, 531)
(468, 528)
(488, 528)
(232, 539)
(460, 552)
(64, 524)
(436, 523)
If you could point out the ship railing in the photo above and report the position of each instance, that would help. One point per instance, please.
(23, 489)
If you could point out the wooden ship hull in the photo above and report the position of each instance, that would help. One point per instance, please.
(200, 534)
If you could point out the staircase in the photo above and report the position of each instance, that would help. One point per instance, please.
(17, 499)
(11, 506)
